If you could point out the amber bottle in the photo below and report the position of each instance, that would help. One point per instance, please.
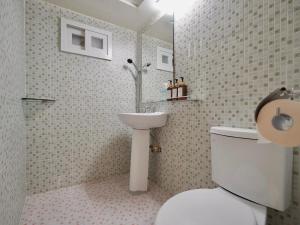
(175, 90)
(182, 89)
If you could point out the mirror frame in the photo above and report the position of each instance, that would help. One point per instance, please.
(174, 61)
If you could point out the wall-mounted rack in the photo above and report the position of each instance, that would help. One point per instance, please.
(188, 99)
(38, 99)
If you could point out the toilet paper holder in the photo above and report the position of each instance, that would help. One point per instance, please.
(282, 121)
(293, 93)
(280, 93)
(277, 118)
(285, 93)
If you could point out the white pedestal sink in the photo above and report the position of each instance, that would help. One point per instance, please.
(141, 124)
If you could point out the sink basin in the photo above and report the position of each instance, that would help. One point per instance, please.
(144, 121)
(139, 163)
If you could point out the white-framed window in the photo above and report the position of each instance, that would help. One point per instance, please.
(165, 59)
(82, 39)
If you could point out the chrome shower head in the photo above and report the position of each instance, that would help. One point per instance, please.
(130, 61)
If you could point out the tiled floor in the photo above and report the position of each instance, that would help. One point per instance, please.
(107, 203)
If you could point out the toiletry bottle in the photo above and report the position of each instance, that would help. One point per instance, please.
(170, 92)
(175, 90)
(182, 89)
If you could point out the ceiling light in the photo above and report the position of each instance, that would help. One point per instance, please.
(177, 7)
(133, 3)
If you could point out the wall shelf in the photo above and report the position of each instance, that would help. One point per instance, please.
(189, 99)
(38, 99)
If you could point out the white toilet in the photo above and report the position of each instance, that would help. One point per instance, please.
(252, 176)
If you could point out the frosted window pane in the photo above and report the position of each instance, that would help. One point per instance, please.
(165, 59)
(97, 43)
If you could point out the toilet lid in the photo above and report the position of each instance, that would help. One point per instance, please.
(208, 207)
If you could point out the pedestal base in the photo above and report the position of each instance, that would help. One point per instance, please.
(139, 160)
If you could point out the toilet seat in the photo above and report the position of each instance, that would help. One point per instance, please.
(210, 207)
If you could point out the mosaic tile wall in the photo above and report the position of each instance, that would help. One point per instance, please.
(12, 123)
(153, 79)
(232, 53)
(78, 137)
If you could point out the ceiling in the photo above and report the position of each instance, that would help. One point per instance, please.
(162, 29)
(132, 14)
(136, 15)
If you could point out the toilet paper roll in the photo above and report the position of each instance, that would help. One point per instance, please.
(279, 122)
(262, 139)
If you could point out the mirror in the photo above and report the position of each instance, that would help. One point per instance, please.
(157, 59)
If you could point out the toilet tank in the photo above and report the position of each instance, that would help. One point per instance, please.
(260, 172)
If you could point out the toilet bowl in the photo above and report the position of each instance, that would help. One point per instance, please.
(210, 207)
(252, 176)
